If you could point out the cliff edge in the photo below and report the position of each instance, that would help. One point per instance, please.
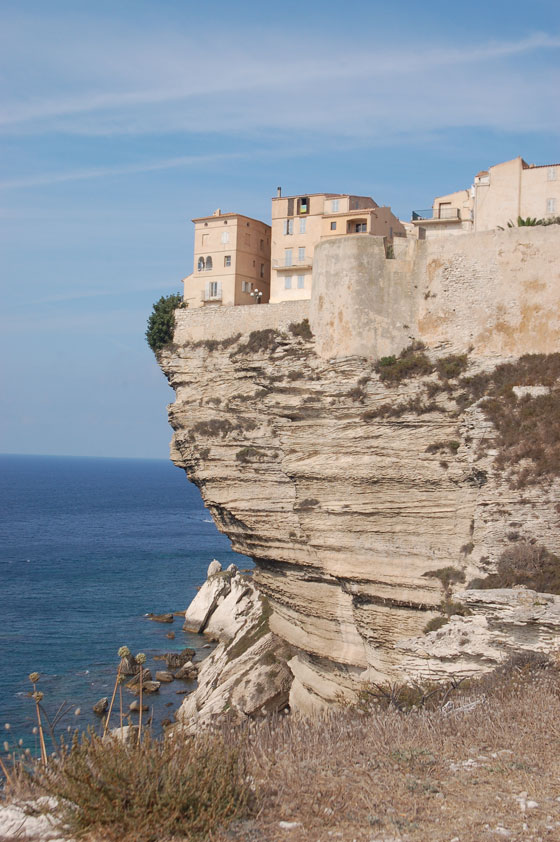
(378, 449)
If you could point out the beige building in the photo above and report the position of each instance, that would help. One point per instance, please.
(498, 195)
(231, 261)
(300, 222)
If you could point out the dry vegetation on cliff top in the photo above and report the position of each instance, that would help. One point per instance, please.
(480, 763)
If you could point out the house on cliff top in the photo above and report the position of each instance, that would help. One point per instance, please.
(231, 261)
(500, 194)
(241, 260)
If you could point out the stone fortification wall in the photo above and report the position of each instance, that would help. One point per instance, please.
(495, 291)
(196, 324)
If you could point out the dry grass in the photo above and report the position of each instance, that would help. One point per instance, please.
(424, 775)
(413, 764)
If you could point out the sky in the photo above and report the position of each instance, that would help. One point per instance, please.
(120, 121)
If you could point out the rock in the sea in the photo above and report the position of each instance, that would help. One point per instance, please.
(232, 569)
(161, 618)
(101, 706)
(164, 676)
(187, 672)
(151, 687)
(126, 734)
(213, 568)
(135, 706)
(170, 635)
(174, 660)
(128, 665)
(135, 680)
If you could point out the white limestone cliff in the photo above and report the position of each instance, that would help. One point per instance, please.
(348, 491)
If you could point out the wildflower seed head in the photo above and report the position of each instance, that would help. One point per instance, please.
(123, 652)
(35, 730)
(20, 743)
(140, 658)
(38, 696)
(34, 677)
(7, 726)
(6, 746)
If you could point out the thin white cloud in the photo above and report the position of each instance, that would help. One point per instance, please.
(103, 172)
(168, 83)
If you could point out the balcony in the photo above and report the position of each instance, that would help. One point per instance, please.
(437, 214)
(282, 266)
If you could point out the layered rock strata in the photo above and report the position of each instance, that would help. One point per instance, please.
(350, 491)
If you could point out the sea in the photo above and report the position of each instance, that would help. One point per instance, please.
(88, 547)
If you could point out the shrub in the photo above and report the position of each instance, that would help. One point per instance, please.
(161, 322)
(246, 454)
(527, 428)
(447, 575)
(259, 341)
(214, 427)
(305, 505)
(451, 366)
(442, 446)
(138, 793)
(526, 564)
(415, 405)
(214, 344)
(411, 362)
(435, 623)
(301, 329)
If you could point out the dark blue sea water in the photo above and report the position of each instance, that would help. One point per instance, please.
(87, 548)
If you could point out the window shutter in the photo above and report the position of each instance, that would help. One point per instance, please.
(207, 290)
(219, 289)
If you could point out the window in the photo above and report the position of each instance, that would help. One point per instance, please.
(301, 281)
(261, 245)
(227, 260)
(225, 236)
(334, 206)
(213, 289)
(290, 207)
(361, 227)
(288, 226)
(204, 240)
(551, 174)
(201, 264)
(301, 254)
(302, 226)
(246, 286)
(551, 205)
(333, 226)
(208, 264)
(303, 205)
(262, 270)
(287, 257)
(288, 282)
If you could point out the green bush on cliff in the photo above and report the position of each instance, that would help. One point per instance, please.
(161, 323)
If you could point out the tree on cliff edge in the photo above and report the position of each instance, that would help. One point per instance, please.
(161, 323)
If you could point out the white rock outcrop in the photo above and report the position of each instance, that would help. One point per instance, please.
(247, 673)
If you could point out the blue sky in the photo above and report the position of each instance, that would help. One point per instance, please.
(122, 120)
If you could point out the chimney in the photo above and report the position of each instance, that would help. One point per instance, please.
(278, 192)
(217, 212)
